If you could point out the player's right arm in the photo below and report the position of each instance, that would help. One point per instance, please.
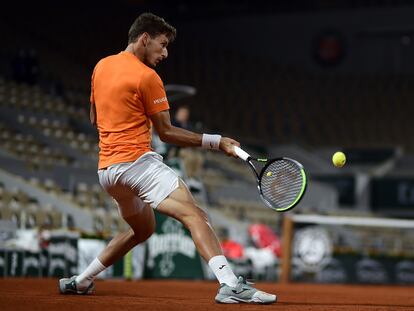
(171, 134)
(156, 107)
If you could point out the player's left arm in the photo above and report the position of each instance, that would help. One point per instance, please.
(92, 114)
(92, 109)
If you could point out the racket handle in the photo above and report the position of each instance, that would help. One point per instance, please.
(241, 153)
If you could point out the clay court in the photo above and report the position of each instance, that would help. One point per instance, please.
(42, 294)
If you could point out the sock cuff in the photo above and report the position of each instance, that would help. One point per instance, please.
(99, 263)
(214, 259)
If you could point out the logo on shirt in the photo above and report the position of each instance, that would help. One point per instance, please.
(160, 100)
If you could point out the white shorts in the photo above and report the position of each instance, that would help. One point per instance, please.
(134, 184)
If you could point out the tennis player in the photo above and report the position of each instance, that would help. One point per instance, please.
(127, 96)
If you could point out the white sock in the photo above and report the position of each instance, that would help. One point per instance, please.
(86, 277)
(222, 270)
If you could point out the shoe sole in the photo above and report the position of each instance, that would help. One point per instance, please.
(233, 300)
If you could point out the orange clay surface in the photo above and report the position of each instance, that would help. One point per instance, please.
(42, 294)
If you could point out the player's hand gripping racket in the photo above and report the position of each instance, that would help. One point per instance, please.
(281, 182)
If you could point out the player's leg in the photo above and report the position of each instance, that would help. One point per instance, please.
(181, 205)
(141, 220)
(142, 226)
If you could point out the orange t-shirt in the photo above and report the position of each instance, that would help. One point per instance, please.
(125, 92)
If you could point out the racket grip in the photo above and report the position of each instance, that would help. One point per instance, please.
(241, 153)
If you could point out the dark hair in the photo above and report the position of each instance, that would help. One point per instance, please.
(153, 25)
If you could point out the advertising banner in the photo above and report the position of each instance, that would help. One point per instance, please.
(63, 253)
(171, 252)
(315, 260)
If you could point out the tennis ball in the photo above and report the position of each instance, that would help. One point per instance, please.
(269, 174)
(338, 159)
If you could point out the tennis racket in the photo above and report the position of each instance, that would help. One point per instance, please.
(281, 182)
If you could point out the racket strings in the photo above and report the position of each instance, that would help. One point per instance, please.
(281, 183)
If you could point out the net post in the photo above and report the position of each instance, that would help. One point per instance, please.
(287, 233)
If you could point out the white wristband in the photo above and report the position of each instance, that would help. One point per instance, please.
(211, 141)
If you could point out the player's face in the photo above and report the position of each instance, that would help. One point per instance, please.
(156, 50)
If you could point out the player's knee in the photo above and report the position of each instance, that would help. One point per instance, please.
(196, 216)
(144, 236)
(132, 236)
(142, 225)
(140, 236)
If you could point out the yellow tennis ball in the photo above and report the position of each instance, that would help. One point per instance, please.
(269, 174)
(339, 159)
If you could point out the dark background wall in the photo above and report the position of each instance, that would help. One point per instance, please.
(299, 68)
(376, 36)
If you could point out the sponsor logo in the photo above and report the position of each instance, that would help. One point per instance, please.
(64, 248)
(370, 271)
(221, 267)
(160, 100)
(172, 241)
(333, 272)
(312, 249)
(14, 264)
(30, 262)
(404, 272)
(56, 264)
(239, 292)
(405, 193)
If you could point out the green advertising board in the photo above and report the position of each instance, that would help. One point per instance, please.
(31, 264)
(14, 263)
(63, 253)
(2, 262)
(360, 269)
(171, 253)
(315, 259)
